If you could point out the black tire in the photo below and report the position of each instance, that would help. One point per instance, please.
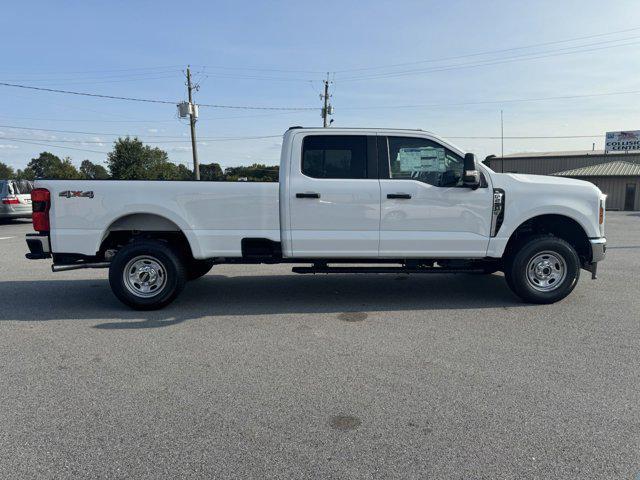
(164, 265)
(556, 275)
(198, 268)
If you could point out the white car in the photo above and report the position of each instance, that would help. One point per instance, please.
(387, 200)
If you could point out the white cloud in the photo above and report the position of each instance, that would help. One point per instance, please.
(181, 149)
(152, 130)
(8, 147)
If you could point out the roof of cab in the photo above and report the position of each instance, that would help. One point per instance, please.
(383, 130)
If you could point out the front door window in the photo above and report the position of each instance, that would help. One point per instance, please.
(425, 161)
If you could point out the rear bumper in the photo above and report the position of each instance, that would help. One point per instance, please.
(14, 214)
(39, 246)
(598, 249)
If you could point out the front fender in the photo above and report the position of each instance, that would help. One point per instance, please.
(511, 223)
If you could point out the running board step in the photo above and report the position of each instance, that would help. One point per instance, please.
(395, 270)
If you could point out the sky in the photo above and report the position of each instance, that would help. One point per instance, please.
(555, 68)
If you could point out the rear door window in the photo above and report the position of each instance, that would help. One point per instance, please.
(335, 156)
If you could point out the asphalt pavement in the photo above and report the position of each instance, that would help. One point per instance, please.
(255, 372)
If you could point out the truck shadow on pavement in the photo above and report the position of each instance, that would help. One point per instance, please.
(218, 296)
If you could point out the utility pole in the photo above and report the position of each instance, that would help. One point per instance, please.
(502, 140)
(193, 115)
(327, 109)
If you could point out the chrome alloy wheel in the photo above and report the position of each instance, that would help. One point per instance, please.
(144, 276)
(546, 271)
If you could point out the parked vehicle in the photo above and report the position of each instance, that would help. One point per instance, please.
(398, 201)
(15, 199)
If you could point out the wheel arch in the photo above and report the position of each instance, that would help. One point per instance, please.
(128, 227)
(559, 225)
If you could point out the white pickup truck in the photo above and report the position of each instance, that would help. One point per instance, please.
(347, 201)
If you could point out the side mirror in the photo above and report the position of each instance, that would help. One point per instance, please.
(470, 175)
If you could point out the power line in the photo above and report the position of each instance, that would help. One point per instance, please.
(245, 107)
(255, 77)
(201, 141)
(82, 120)
(85, 94)
(524, 137)
(140, 75)
(145, 121)
(489, 62)
(488, 52)
(79, 72)
(260, 69)
(487, 102)
(54, 146)
(79, 132)
(53, 130)
(147, 100)
(257, 137)
(97, 82)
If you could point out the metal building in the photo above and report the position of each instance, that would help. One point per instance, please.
(616, 174)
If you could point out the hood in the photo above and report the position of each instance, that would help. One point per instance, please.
(541, 181)
(547, 179)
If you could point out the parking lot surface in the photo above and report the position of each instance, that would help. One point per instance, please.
(255, 372)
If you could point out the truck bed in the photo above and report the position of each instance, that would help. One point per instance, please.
(214, 216)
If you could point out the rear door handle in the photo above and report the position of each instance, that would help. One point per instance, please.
(399, 195)
(308, 195)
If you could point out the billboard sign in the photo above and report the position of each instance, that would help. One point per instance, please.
(622, 141)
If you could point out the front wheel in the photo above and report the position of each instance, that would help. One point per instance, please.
(545, 269)
(198, 268)
(147, 275)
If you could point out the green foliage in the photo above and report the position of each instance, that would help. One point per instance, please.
(6, 171)
(211, 172)
(170, 171)
(92, 171)
(47, 165)
(257, 172)
(132, 160)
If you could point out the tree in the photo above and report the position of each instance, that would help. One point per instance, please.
(6, 171)
(92, 171)
(49, 166)
(170, 171)
(211, 172)
(257, 172)
(184, 173)
(132, 160)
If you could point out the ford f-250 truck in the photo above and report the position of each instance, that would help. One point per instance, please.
(347, 201)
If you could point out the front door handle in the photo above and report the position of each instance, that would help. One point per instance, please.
(308, 195)
(399, 195)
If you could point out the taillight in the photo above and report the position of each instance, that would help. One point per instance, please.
(40, 201)
(10, 200)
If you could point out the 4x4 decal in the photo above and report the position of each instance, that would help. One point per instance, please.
(75, 193)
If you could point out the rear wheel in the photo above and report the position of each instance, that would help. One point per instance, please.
(198, 268)
(147, 275)
(545, 269)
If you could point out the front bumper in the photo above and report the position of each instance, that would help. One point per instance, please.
(598, 252)
(598, 249)
(39, 247)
